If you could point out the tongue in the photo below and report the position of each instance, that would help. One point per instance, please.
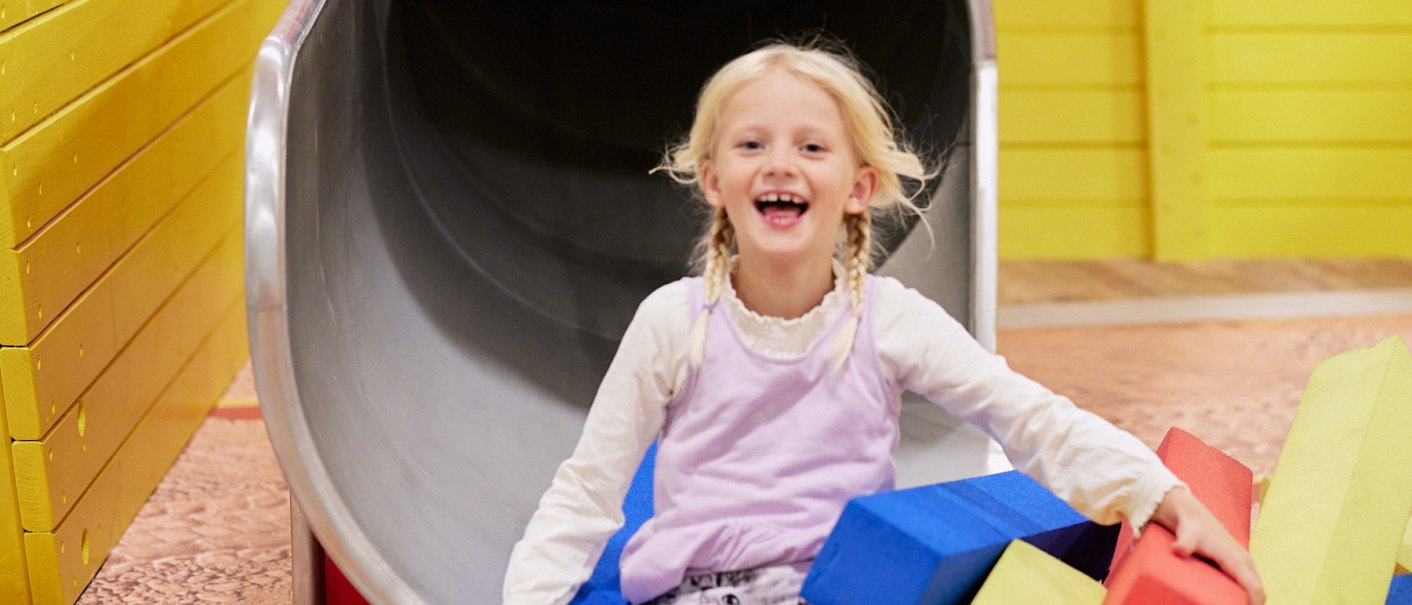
(782, 214)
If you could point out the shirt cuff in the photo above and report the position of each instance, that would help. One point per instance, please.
(1149, 496)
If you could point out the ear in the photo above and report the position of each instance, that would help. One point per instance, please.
(864, 186)
(710, 183)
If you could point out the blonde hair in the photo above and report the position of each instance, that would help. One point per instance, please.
(874, 140)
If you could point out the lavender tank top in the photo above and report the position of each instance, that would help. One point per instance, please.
(758, 455)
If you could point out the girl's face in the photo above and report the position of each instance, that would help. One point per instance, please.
(784, 169)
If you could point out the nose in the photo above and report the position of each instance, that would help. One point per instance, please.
(780, 163)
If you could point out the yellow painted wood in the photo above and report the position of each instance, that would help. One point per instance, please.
(53, 471)
(1311, 13)
(1329, 529)
(14, 573)
(1082, 14)
(65, 560)
(63, 259)
(42, 380)
(1058, 58)
(1069, 117)
(1074, 233)
(1073, 174)
(1309, 173)
(1332, 231)
(70, 49)
(14, 12)
(81, 342)
(1250, 116)
(1026, 575)
(1330, 59)
(1176, 121)
(81, 143)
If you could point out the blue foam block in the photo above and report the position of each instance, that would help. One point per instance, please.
(936, 544)
(1400, 593)
(602, 588)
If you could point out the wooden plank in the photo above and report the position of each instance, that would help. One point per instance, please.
(81, 143)
(1072, 116)
(1026, 575)
(1310, 58)
(1073, 174)
(56, 264)
(14, 573)
(63, 561)
(53, 471)
(1329, 528)
(1311, 13)
(13, 13)
(1175, 93)
(1086, 14)
(1250, 116)
(42, 381)
(68, 50)
(1262, 231)
(1090, 58)
(81, 342)
(1309, 173)
(1074, 233)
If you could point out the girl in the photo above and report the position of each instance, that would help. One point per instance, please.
(773, 380)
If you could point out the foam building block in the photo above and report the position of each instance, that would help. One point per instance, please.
(604, 586)
(1331, 525)
(935, 544)
(1151, 572)
(1026, 575)
(1400, 593)
(1404, 553)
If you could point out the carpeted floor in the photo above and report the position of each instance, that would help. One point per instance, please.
(216, 530)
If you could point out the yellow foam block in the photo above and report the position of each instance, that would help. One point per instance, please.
(62, 562)
(51, 473)
(1404, 553)
(1026, 575)
(14, 574)
(1330, 526)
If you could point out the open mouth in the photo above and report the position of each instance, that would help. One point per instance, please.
(781, 208)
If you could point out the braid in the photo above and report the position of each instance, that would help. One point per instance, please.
(719, 242)
(859, 260)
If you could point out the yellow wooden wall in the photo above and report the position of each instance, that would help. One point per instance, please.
(121, 136)
(1191, 129)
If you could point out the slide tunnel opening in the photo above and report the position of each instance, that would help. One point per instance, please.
(469, 224)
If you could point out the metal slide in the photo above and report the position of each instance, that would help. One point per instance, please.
(450, 221)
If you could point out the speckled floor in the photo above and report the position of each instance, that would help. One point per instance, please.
(216, 530)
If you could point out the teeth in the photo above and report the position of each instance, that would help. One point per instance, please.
(780, 197)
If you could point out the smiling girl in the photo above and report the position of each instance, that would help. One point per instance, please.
(773, 380)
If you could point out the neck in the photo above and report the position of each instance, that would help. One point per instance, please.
(782, 291)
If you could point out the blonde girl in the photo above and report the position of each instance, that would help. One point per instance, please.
(773, 379)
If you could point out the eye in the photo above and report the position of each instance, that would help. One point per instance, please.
(750, 145)
(813, 148)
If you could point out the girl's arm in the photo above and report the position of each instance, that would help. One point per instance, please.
(1105, 473)
(583, 507)
(1102, 471)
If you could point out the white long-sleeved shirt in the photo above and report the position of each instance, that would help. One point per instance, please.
(1103, 472)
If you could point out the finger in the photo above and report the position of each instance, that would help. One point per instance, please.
(1238, 564)
(1185, 544)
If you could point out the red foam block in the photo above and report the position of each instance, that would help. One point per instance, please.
(1152, 574)
(1219, 482)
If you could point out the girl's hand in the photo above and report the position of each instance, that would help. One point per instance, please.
(1198, 531)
